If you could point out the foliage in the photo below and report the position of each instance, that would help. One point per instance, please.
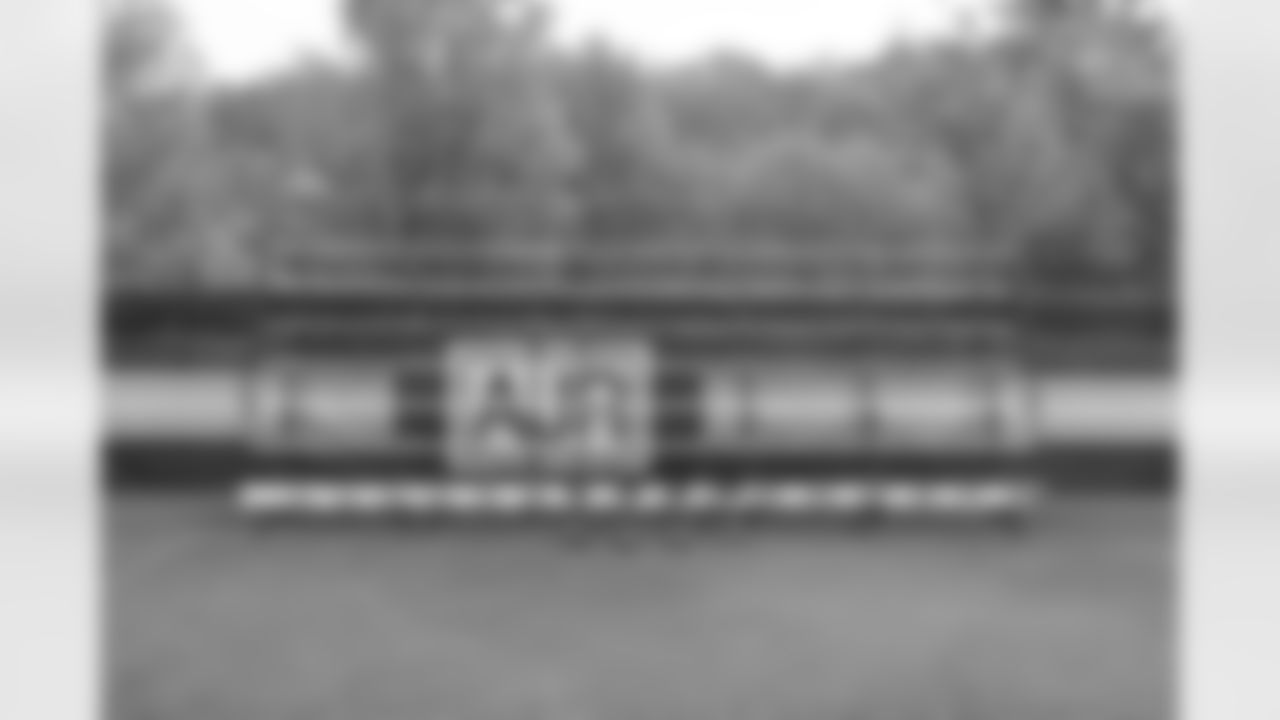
(472, 156)
(464, 145)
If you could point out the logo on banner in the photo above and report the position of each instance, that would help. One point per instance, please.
(550, 406)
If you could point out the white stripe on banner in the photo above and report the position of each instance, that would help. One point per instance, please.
(1110, 411)
(174, 405)
(213, 406)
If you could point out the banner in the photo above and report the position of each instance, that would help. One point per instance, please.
(546, 405)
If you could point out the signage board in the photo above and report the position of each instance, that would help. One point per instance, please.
(548, 405)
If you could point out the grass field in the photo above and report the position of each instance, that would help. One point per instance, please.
(211, 620)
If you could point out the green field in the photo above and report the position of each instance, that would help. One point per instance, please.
(211, 620)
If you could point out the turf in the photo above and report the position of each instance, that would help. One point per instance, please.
(212, 620)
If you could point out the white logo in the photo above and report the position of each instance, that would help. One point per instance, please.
(551, 405)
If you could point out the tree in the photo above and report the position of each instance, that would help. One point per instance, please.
(158, 176)
(473, 151)
(1110, 68)
(632, 180)
(296, 150)
(1049, 125)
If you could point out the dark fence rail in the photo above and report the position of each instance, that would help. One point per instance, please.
(1124, 333)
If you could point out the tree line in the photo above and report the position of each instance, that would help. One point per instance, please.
(459, 144)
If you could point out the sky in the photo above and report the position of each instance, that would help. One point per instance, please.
(243, 38)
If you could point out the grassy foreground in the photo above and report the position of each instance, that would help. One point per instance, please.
(212, 620)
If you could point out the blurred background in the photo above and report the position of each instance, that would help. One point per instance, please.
(1024, 145)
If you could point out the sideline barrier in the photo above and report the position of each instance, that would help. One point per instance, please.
(266, 497)
(336, 390)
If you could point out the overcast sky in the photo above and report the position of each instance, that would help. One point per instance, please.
(241, 38)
